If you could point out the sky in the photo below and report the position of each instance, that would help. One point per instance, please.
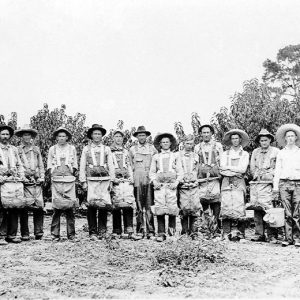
(145, 62)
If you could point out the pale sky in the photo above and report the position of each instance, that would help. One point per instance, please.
(146, 62)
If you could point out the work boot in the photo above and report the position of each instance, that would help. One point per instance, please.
(38, 237)
(93, 237)
(55, 238)
(297, 243)
(160, 238)
(286, 243)
(14, 240)
(258, 238)
(3, 242)
(115, 236)
(25, 238)
(273, 240)
(151, 236)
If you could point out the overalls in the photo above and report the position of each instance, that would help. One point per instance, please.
(143, 191)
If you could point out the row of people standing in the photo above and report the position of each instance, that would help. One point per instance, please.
(162, 182)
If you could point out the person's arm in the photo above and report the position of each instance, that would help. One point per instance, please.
(82, 169)
(75, 162)
(277, 172)
(131, 158)
(253, 167)
(41, 165)
(243, 164)
(152, 172)
(19, 165)
(110, 164)
(50, 159)
(179, 169)
(129, 167)
(220, 149)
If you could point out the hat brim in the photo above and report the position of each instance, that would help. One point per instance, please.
(148, 133)
(6, 127)
(20, 132)
(269, 135)
(118, 131)
(160, 136)
(90, 131)
(282, 130)
(206, 125)
(67, 132)
(244, 136)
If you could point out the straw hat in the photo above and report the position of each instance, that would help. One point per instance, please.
(160, 136)
(95, 127)
(265, 132)
(141, 129)
(282, 130)
(244, 137)
(26, 129)
(6, 127)
(62, 129)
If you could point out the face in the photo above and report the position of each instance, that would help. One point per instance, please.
(96, 136)
(4, 136)
(235, 140)
(165, 143)
(188, 145)
(264, 142)
(118, 139)
(142, 137)
(62, 138)
(206, 134)
(290, 137)
(27, 137)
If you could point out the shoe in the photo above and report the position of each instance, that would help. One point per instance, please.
(135, 237)
(15, 240)
(273, 241)
(25, 238)
(3, 242)
(150, 236)
(71, 237)
(285, 244)
(38, 237)
(55, 239)
(93, 237)
(297, 243)
(258, 238)
(125, 236)
(115, 236)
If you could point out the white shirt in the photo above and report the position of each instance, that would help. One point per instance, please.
(287, 165)
(207, 147)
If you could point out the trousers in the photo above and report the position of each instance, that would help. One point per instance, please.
(55, 225)
(97, 225)
(127, 220)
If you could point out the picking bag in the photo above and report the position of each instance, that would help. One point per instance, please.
(98, 194)
(12, 194)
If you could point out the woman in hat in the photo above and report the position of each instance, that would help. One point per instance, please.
(262, 168)
(62, 164)
(165, 173)
(122, 189)
(287, 180)
(141, 155)
(35, 174)
(96, 174)
(233, 166)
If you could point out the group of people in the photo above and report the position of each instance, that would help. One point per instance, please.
(151, 180)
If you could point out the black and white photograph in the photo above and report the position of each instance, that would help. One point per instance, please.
(149, 149)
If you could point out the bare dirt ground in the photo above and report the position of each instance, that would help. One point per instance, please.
(127, 269)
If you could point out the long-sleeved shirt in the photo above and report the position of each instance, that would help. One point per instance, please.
(96, 155)
(235, 162)
(190, 165)
(10, 161)
(166, 162)
(62, 155)
(32, 160)
(207, 147)
(263, 162)
(287, 165)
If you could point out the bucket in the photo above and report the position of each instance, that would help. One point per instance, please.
(275, 217)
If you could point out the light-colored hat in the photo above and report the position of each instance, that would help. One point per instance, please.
(62, 129)
(26, 129)
(265, 132)
(282, 130)
(160, 136)
(244, 137)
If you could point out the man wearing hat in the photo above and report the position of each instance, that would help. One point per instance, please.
(233, 166)
(62, 164)
(262, 168)
(10, 166)
(122, 191)
(209, 152)
(287, 180)
(35, 174)
(165, 174)
(190, 206)
(141, 155)
(96, 161)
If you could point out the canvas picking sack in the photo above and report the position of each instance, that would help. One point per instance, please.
(98, 194)
(12, 194)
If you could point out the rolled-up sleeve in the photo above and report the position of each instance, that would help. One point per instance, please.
(82, 169)
(277, 172)
(110, 164)
(41, 165)
(50, 158)
(153, 169)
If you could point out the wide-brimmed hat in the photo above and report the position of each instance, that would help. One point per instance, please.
(95, 127)
(244, 137)
(26, 129)
(141, 129)
(118, 131)
(282, 130)
(62, 129)
(160, 136)
(206, 125)
(265, 132)
(10, 129)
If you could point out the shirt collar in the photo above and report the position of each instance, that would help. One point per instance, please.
(207, 143)
(265, 150)
(240, 149)
(142, 146)
(4, 146)
(165, 151)
(115, 147)
(95, 145)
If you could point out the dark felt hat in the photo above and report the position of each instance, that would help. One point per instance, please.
(95, 127)
(6, 127)
(141, 129)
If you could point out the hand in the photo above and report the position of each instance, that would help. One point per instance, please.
(275, 195)
(2, 179)
(40, 180)
(173, 185)
(156, 185)
(130, 180)
(116, 181)
(84, 186)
